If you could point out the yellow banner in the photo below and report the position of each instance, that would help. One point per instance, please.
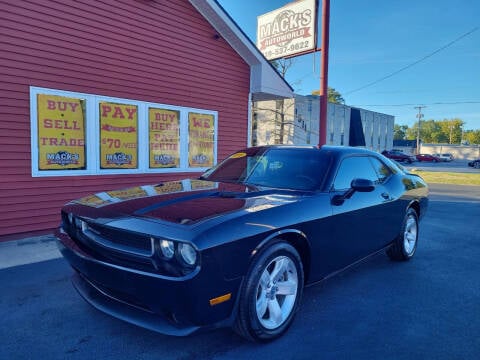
(61, 132)
(118, 136)
(201, 131)
(164, 135)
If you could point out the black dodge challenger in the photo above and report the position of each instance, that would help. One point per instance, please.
(236, 246)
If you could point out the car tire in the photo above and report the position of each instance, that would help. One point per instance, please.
(404, 246)
(270, 294)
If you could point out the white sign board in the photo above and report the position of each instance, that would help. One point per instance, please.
(288, 30)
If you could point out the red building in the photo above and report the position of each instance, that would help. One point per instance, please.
(105, 95)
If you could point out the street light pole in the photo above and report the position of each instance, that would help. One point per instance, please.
(419, 116)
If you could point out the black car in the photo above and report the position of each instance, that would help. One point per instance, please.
(237, 246)
(474, 163)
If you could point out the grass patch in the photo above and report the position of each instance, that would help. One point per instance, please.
(449, 177)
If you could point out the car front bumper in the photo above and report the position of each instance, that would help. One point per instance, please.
(169, 305)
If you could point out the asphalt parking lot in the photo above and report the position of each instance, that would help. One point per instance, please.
(428, 308)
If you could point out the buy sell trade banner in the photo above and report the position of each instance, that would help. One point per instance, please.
(201, 131)
(118, 136)
(61, 133)
(164, 137)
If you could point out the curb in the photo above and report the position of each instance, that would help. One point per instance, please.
(28, 251)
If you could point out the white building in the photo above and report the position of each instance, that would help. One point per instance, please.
(296, 121)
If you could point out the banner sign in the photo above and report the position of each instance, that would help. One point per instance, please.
(118, 136)
(164, 135)
(61, 132)
(287, 31)
(201, 131)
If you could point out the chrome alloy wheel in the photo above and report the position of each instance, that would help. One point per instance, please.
(276, 292)
(410, 235)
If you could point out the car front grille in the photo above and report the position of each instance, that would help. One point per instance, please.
(120, 240)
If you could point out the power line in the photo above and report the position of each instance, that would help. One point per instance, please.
(414, 63)
(435, 103)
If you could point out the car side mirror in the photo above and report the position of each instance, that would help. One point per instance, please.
(362, 185)
(357, 185)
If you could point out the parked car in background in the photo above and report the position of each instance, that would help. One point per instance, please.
(444, 157)
(399, 156)
(474, 163)
(236, 246)
(428, 157)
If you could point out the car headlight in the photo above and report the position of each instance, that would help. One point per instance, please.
(84, 226)
(78, 223)
(168, 248)
(188, 253)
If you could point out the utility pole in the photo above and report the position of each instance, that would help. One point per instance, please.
(324, 72)
(419, 116)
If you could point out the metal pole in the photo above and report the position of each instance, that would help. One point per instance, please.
(419, 116)
(324, 72)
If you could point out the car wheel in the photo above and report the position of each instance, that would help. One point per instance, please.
(405, 245)
(270, 294)
(476, 164)
(434, 160)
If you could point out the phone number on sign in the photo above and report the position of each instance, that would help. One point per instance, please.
(283, 50)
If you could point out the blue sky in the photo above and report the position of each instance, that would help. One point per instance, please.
(373, 39)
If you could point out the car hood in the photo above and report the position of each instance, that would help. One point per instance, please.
(183, 202)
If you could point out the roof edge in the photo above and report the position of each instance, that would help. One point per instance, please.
(265, 81)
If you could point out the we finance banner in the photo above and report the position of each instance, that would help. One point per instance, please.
(61, 132)
(201, 135)
(118, 136)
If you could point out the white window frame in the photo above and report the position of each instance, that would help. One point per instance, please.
(92, 135)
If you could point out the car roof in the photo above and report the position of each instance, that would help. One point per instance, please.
(344, 150)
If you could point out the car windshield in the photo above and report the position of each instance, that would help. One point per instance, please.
(297, 169)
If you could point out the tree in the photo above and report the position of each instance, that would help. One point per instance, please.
(400, 132)
(472, 137)
(333, 96)
(282, 65)
(452, 128)
(430, 132)
(436, 131)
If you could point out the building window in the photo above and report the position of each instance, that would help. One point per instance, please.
(87, 134)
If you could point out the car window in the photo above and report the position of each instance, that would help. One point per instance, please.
(297, 169)
(294, 169)
(355, 167)
(382, 170)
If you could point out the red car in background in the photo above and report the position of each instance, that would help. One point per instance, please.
(399, 156)
(428, 157)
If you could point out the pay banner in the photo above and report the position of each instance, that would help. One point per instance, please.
(118, 136)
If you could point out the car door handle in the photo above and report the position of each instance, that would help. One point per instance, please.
(386, 196)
